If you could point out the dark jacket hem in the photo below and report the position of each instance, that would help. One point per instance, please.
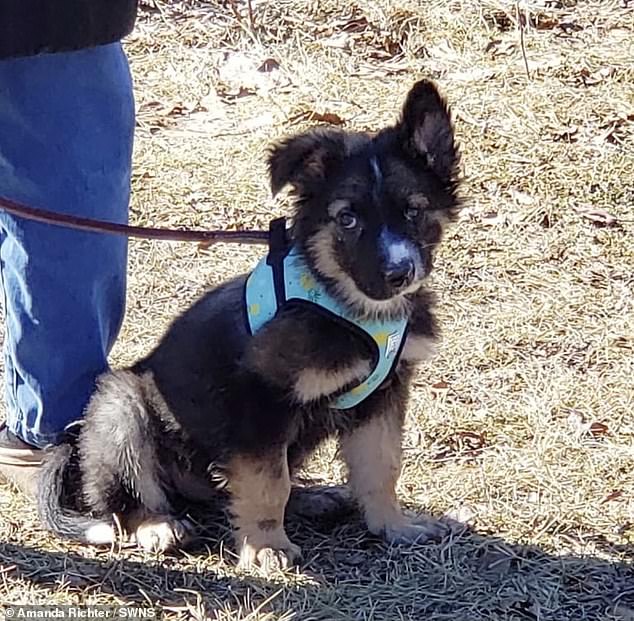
(29, 27)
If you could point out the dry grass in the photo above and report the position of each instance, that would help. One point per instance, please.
(523, 427)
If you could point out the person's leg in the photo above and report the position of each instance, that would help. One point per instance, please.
(66, 131)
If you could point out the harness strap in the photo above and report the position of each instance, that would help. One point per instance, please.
(278, 249)
(285, 273)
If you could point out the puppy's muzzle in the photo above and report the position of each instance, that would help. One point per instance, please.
(399, 275)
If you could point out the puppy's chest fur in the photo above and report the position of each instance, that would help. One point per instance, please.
(227, 391)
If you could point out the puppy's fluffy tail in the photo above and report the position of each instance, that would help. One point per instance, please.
(58, 504)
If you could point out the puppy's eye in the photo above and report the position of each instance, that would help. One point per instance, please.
(347, 219)
(411, 213)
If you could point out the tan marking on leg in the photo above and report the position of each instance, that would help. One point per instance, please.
(312, 384)
(260, 488)
(372, 453)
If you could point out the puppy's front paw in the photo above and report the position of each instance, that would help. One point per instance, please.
(417, 529)
(269, 558)
(159, 534)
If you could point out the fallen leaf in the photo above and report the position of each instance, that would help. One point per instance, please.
(178, 110)
(540, 21)
(498, 47)
(159, 114)
(268, 65)
(598, 430)
(471, 440)
(441, 385)
(492, 44)
(593, 78)
(546, 221)
(321, 117)
(565, 134)
(595, 214)
(569, 27)
(499, 19)
(241, 74)
(613, 495)
(237, 93)
(613, 129)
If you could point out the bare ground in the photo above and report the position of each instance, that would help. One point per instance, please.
(523, 426)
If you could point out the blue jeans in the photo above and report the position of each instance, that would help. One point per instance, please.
(66, 132)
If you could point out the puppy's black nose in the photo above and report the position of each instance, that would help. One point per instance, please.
(399, 275)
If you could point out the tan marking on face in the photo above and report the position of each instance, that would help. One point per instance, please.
(337, 206)
(313, 384)
(323, 253)
(260, 488)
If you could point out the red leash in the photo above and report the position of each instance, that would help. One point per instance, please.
(100, 226)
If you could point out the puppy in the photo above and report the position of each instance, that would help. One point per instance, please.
(318, 341)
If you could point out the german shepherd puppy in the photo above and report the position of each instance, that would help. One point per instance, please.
(215, 405)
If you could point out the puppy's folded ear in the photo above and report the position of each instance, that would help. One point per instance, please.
(427, 132)
(305, 159)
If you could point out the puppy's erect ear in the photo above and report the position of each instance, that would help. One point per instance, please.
(305, 159)
(427, 131)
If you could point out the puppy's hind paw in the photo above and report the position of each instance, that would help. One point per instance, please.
(159, 534)
(417, 529)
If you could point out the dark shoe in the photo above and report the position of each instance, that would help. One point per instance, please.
(19, 462)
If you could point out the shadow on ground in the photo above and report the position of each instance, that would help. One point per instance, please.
(349, 575)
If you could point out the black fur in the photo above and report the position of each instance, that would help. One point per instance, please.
(210, 392)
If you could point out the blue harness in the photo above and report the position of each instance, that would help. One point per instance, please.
(283, 276)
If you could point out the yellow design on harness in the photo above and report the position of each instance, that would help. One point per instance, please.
(381, 337)
(307, 281)
(359, 389)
